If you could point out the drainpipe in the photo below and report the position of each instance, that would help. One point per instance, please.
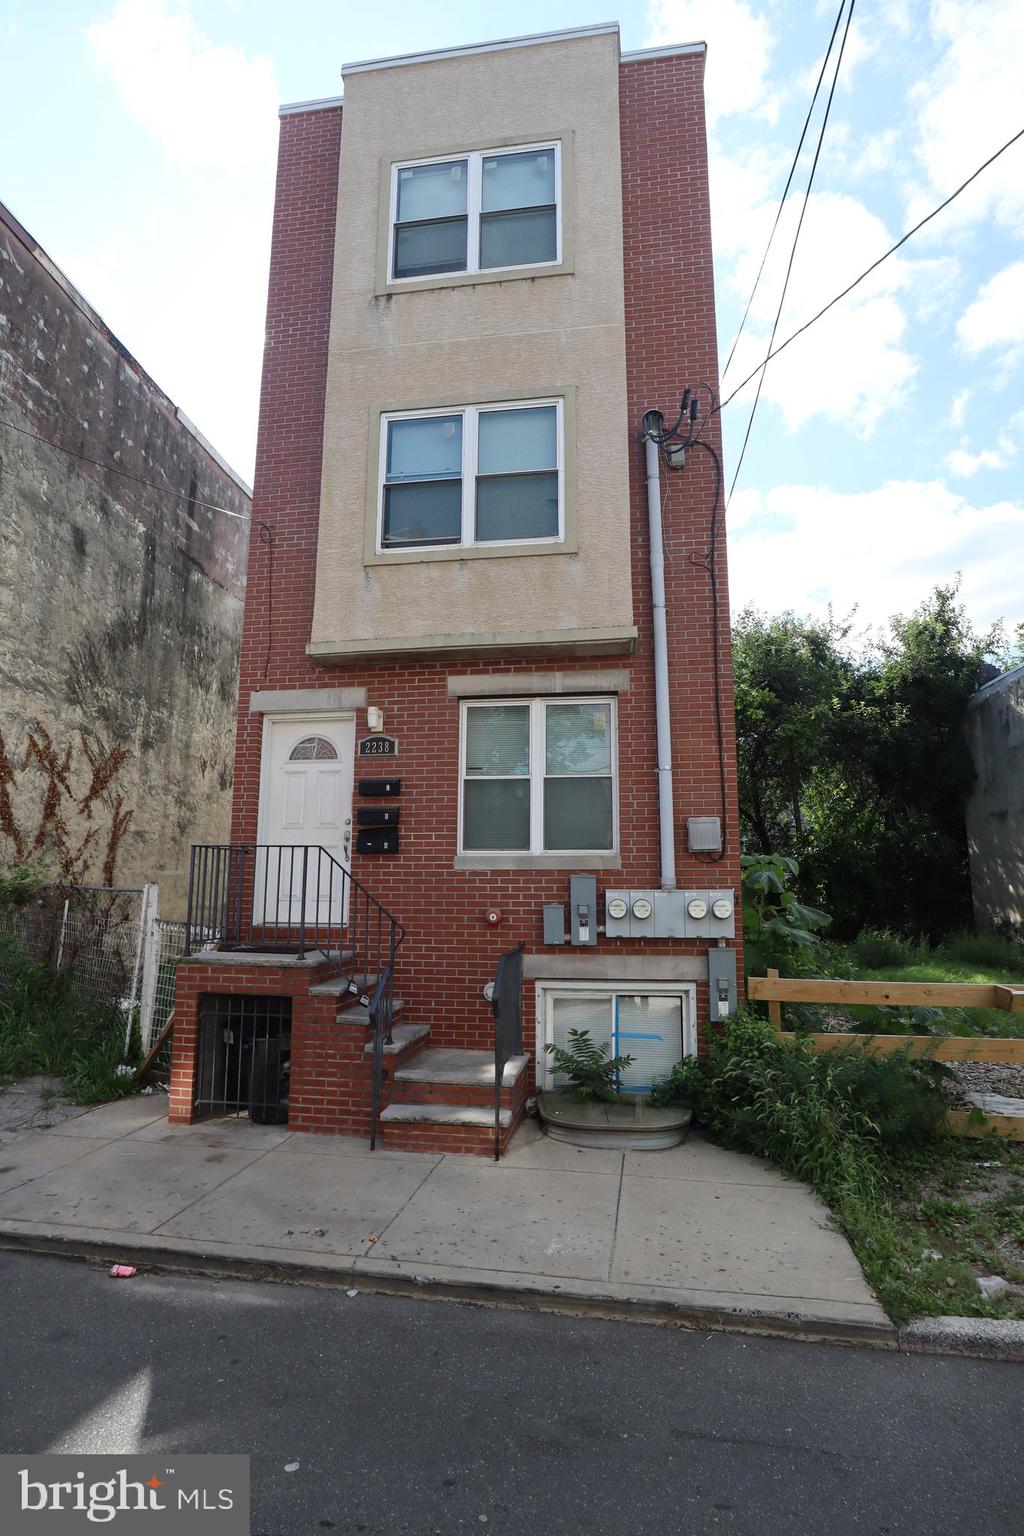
(652, 451)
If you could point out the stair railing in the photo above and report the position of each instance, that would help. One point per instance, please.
(382, 1008)
(507, 1007)
(277, 898)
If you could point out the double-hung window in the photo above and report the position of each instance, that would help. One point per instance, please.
(538, 776)
(476, 475)
(477, 212)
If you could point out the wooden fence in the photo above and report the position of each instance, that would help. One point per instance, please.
(775, 990)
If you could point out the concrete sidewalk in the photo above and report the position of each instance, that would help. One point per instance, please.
(695, 1234)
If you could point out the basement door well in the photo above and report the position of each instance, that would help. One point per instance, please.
(244, 1056)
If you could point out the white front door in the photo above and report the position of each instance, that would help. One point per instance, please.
(305, 804)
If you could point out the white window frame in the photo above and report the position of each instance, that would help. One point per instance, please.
(537, 775)
(474, 159)
(470, 452)
(547, 991)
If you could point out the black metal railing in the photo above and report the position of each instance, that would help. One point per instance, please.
(382, 1007)
(277, 899)
(507, 1006)
(243, 1057)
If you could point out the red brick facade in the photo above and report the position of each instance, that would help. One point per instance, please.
(451, 950)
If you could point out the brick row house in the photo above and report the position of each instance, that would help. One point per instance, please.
(490, 265)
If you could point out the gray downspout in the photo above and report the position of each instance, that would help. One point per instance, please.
(666, 812)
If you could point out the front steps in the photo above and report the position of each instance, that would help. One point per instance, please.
(442, 1100)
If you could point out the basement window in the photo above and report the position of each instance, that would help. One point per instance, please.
(538, 776)
(652, 1023)
(479, 212)
(477, 475)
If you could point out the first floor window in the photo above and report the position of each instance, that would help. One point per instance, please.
(481, 474)
(538, 776)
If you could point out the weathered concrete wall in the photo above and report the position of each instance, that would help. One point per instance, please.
(120, 605)
(995, 812)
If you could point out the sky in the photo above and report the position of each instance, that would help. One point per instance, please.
(887, 448)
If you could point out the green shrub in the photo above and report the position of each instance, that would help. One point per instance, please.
(778, 930)
(877, 948)
(591, 1072)
(18, 883)
(47, 1026)
(680, 1087)
(987, 951)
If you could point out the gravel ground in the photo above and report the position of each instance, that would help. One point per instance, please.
(986, 1077)
(34, 1104)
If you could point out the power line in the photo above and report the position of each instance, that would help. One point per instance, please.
(873, 267)
(112, 469)
(796, 240)
(785, 190)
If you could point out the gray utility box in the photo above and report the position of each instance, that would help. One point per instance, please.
(670, 914)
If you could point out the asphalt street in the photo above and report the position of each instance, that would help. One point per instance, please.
(408, 1417)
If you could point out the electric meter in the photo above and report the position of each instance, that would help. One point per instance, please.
(722, 908)
(697, 908)
(617, 908)
(642, 908)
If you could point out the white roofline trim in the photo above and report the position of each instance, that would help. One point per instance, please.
(668, 52)
(435, 55)
(290, 108)
(997, 684)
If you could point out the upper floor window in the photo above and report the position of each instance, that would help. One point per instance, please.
(476, 212)
(480, 474)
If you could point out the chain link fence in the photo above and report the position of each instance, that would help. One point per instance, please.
(113, 943)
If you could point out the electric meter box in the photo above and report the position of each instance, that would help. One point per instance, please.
(653, 914)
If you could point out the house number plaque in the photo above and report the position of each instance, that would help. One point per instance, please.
(378, 746)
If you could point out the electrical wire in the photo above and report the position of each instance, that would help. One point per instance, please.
(873, 268)
(785, 190)
(796, 241)
(125, 474)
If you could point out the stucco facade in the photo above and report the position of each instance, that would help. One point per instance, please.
(120, 602)
(398, 347)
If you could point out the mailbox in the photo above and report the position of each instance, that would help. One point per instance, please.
(378, 815)
(380, 787)
(377, 840)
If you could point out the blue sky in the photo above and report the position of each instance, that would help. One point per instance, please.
(887, 449)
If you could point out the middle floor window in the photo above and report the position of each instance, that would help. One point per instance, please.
(478, 474)
(538, 776)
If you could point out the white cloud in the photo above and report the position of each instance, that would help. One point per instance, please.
(962, 463)
(740, 42)
(881, 550)
(211, 107)
(995, 320)
(958, 408)
(967, 107)
(852, 366)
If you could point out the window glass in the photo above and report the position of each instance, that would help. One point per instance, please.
(497, 814)
(650, 1029)
(579, 738)
(423, 249)
(424, 447)
(524, 180)
(593, 1014)
(577, 814)
(432, 191)
(516, 507)
(422, 512)
(498, 739)
(313, 749)
(518, 239)
(518, 439)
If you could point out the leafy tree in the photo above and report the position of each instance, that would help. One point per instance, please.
(854, 758)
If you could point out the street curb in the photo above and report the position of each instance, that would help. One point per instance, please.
(985, 1338)
(157, 1257)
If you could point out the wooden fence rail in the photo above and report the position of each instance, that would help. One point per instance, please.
(775, 990)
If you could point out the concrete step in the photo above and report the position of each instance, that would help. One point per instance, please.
(402, 1037)
(461, 1115)
(336, 986)
(471, 1069)
(359, 1013)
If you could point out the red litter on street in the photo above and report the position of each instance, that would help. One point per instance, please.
(123, 1271)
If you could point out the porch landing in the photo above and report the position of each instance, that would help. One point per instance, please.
(694, 1235)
